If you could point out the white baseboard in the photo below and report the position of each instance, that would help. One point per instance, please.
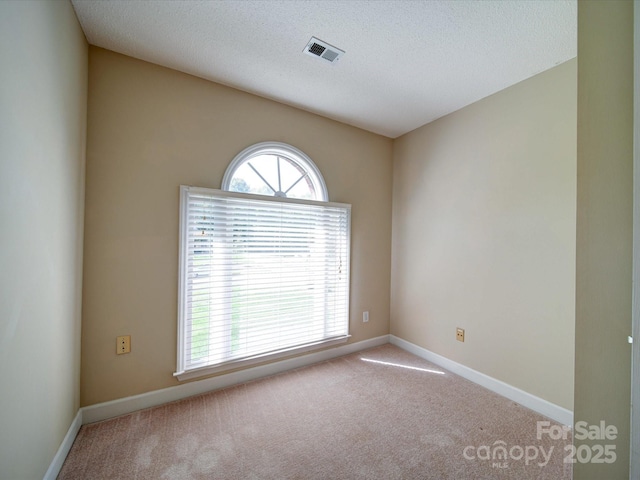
(537, 404)
(122, 406)
(63, 450)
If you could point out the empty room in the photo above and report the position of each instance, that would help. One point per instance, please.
(281, 239)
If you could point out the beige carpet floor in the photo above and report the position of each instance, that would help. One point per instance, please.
(348, 418)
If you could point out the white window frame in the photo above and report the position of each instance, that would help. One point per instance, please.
(183, 372)
(283, 150)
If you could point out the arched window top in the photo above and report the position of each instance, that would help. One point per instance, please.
(276, 169)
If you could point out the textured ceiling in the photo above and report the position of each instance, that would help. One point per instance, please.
(406, 63)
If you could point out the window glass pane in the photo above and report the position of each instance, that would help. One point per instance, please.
(246, 180)
(303, 189)
(267, 167)
(295, 180)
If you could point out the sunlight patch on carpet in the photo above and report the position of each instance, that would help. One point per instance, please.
(401, 366)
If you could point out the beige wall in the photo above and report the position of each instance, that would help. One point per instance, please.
(43, 91)
(604, 229)
(152, 129)
(484, 207)
(484, 235)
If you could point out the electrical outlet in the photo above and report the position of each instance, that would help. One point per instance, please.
(123, 344)
(460, 334)
(365, 317)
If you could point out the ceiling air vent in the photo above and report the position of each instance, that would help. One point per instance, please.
(320, 49)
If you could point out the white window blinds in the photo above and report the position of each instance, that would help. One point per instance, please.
(259, 276)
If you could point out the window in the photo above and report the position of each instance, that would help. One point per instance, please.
(276, 169)
(261, 276)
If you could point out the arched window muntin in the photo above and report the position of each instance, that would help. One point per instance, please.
(275, 169)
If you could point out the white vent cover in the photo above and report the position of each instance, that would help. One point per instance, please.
(318, 48)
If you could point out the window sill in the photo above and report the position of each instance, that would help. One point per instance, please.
(244, 362)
